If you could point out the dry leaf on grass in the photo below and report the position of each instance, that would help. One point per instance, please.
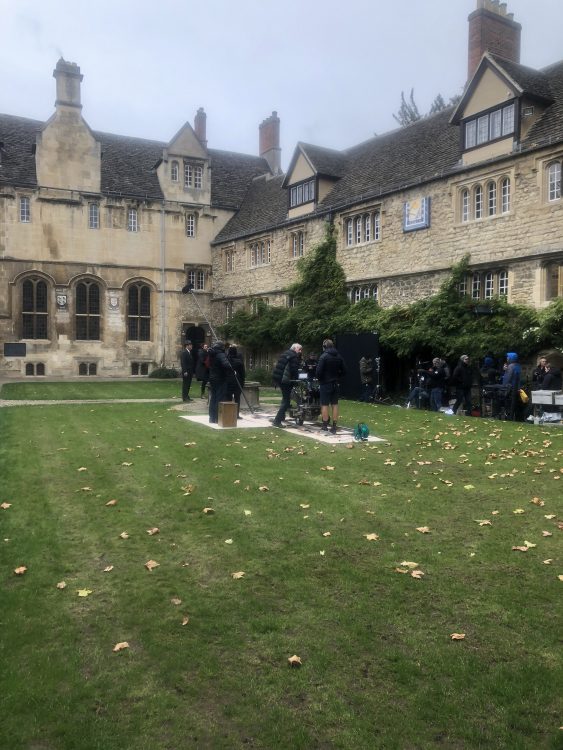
(188, 489)
(153, 531)
(185, 620)
(151, 565)
(239, 574)
(417, 573)
(111, 502)
(263, 488)
(120, 646)
(548, 561)
(401, 570)
(5, 506)
(175, 600)
(247, 512)
(537, 501)
(327, 533)
(520, 549)
(126, 463)
(484, 522)
(83, 592)
(423, 529)
(20, 571)
(82, 468)
(529, 544)
(550, 516)
(560, 578)
(372, 537)
(304, 505)
(457, 636)
(208, 511)
(409, 564)
(108, 569)
(61, 585)
(124, 535)
(518, 511)
(294, 661)
(546, 533)
(327, 468)
(228, 541)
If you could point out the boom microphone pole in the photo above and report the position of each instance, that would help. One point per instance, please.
(189, 289)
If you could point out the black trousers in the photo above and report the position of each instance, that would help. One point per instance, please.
(186, 385)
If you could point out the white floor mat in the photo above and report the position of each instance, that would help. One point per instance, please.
(262, 421)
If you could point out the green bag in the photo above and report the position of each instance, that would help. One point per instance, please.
(361, 431)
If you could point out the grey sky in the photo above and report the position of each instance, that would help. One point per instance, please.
(333, 70)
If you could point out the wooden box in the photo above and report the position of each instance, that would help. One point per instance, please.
(227, 414)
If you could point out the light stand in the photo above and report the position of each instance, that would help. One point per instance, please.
(189, 289)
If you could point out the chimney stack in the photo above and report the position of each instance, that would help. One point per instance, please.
(269, 142)
(492, 29)
(68, 77)
(200, 126)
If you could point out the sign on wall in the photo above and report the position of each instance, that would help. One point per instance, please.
(416, 214)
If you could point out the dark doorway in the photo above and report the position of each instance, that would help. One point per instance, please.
(352, 347)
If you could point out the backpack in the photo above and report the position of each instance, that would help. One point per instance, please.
(361, 431)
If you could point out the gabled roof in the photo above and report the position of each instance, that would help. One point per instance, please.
(264, 207)
(128, 164)
(326, 162)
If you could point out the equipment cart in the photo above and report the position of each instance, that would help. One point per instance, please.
(305, 400)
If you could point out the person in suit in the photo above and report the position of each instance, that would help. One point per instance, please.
(187, 368)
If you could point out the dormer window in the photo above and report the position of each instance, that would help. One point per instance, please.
(302, 193)
(490, 126)
(193, 175)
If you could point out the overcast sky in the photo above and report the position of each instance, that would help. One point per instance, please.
(333, 69)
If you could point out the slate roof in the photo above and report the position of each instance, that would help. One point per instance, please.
(326, 161)
(419, 153)
(128, 164)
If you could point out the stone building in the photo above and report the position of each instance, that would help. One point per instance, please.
(99, 233)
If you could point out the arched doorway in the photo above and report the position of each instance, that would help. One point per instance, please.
(195, 334)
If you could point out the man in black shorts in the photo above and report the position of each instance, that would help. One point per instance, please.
(329, 369)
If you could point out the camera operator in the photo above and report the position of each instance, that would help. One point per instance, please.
(331, 367)
(286, 370)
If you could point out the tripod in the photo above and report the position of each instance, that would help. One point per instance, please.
(189, 289)
(378, 397)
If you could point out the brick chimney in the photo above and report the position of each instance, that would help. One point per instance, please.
(200, 126)
(269, 142)
(492, 29)
(68, 77)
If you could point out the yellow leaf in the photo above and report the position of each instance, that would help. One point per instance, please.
(327, 533)
(126, 463)
(537, 501)
(457, 636)
(494, 512)
(151, 564)
(85, 489)
(417, 573)
(294, 661)
(120, 646)
(82, 468)
(483, 523)
(550, 516)
(208, 511)
(238, 575)
(20, 571)
(247, 512)
(401, 570)
(61, 585)
(83, 592)
(304, 505)
(423, 529)
(108, 569)
(185, 620)
(529, 544)
(560, 578)
(322, 552)
(188, 489)
(546, 533)
(175, 601)
(409, 564)
(327, 468)
(153, 531)
(518, 511)
(5, 506)
(228, 541)
(371, 537)
(111, 502)
(548, 561)
(263, 488)
(124, 535)
(520, 549)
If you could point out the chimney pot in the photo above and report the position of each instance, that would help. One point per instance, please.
(492, 29)
(269, 141)
(68, 78)
(200, 126)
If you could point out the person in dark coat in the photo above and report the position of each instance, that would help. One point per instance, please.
(202, 368)
(235, 378)
(539, 374)
(330, 369)
(187, 369)
(437, 375)
(219, 368)
(286, 370)
(462, 380)
(366, 377)
(552, 378)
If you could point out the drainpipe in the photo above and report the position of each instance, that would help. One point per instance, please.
(162, 285)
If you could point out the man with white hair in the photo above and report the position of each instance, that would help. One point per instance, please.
(286, 370)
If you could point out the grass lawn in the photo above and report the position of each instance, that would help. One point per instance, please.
(71, 390)
(379, 667)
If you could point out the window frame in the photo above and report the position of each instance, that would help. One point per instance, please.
(142, 318)
(483, 127)
(93, 215)
(554, 181)
(260, 253)
(90, 320)
(302, 192)
(25, 209)
(35, 319)
(132, 219)
(174, 171)
(190, 225)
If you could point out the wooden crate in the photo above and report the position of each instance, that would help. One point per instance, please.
(227, 414)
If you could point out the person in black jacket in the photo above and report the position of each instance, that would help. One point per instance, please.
(202, 368)
(462, 380)
(552, 378)
(438, 376)
(286, 370)
(539, 374)
(219, 368)
(235, 378)
(187, 368)
(330, 368)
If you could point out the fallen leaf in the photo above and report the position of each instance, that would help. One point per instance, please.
(238, 575)
(108, 569)
(126, 463)
(401, 570)
(322, 552)
(175, 601)
(548, 561)
(457, 636)
(247, 512)
(111, 502)
(151, 564)
(82, 468)
(83, 592)
(295, 661)
(185, 620)
(409, 564)
(560, 577)
(120, 646)
(5, 506)
(518, 511)
(537, 501)
(529, 544)
(468, 487)
(550, 517)
(520, 549)
(228, 541)
(417, 573)
(546, 533)
(423, 529)
(327, 533)
(327, 468)
(208, 511)
(153, 531)
(495, 512)
(304, 505)
(483, 523)
(188, 489)
(263, 488)
(124, 535)
(61, 585)
(20, 571)
(372, 537)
